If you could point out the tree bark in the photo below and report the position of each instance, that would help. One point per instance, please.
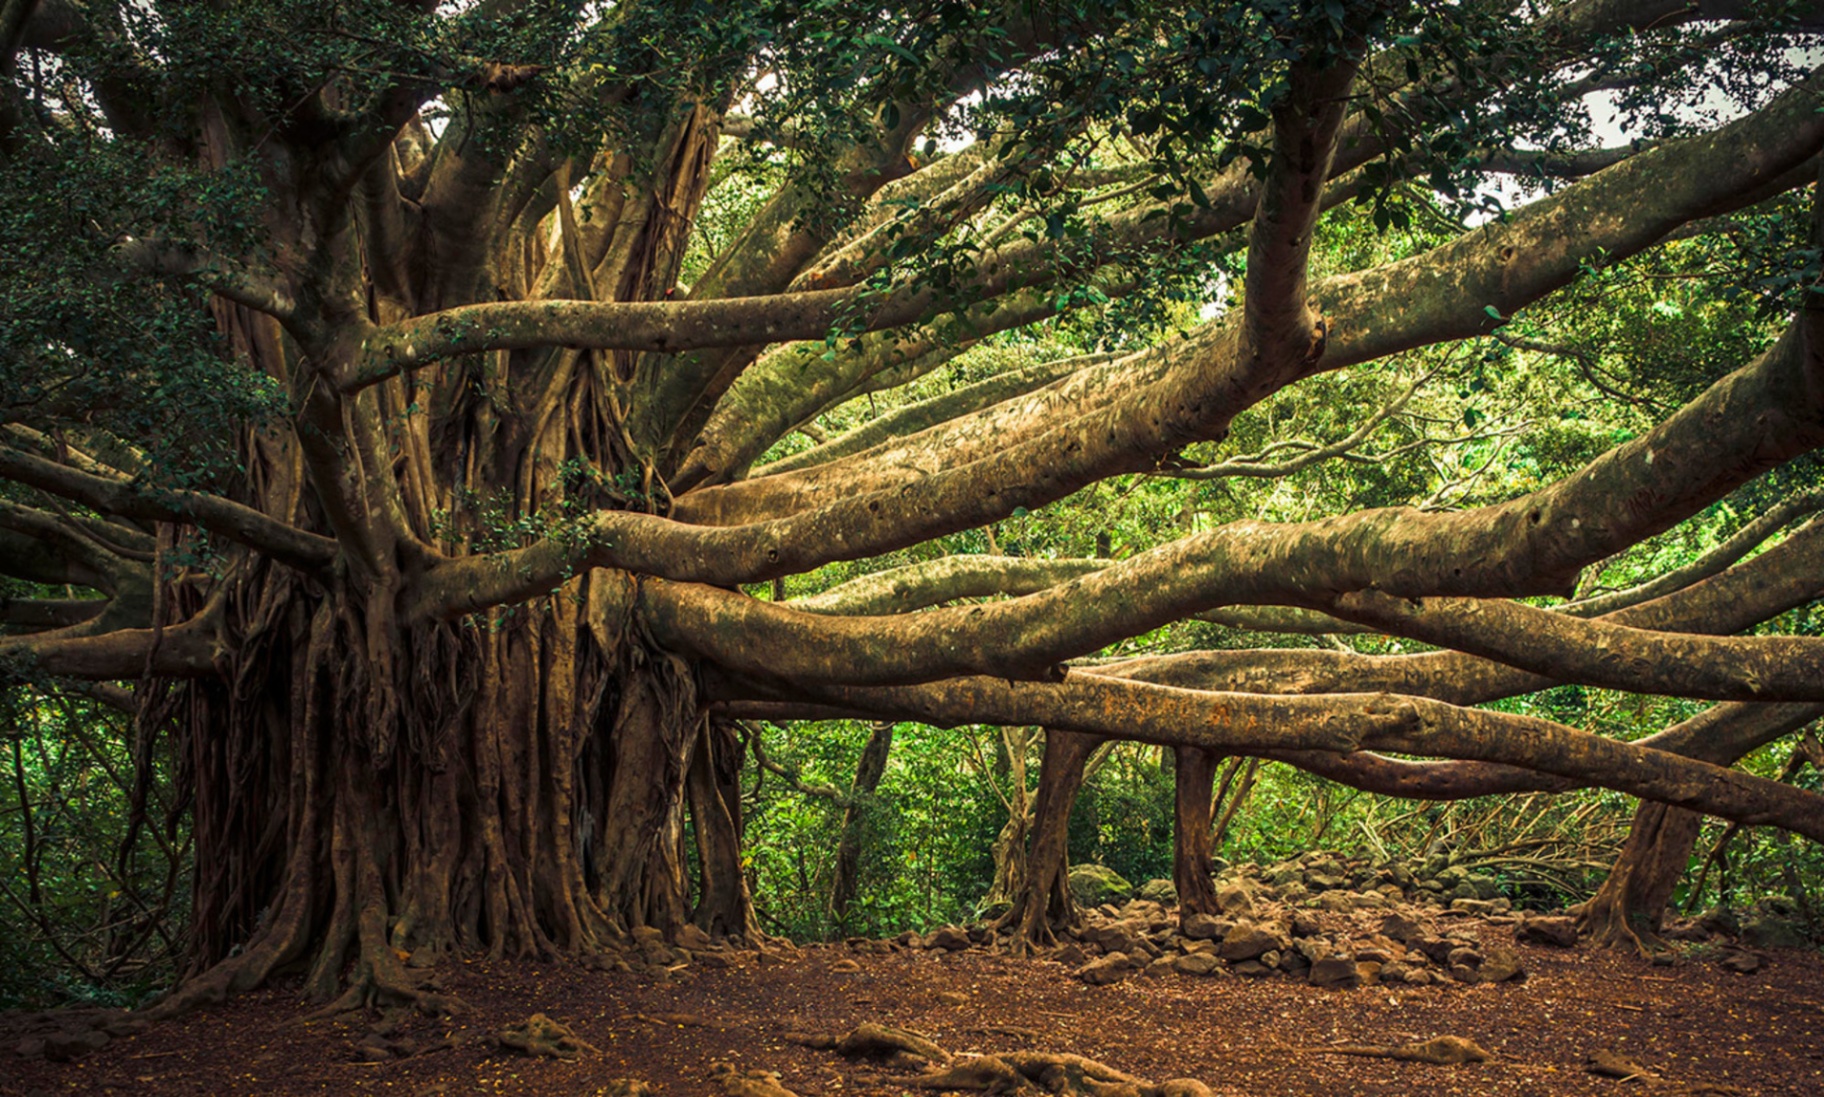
(1045, 905)
(868, 772)
(1194, 780)
(1630, 906)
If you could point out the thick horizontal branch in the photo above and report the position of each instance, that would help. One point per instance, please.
(182, 651)
(1237, 723)
(948, 578)
(631, 326)
(1720, 735)
(235, 521)
(1599, 653)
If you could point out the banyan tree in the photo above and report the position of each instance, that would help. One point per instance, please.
(392, 395)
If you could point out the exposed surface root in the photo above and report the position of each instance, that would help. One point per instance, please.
(1015, 1073)
(1441, 1051)
(541, 1037)
(869, 1039)
(752, 1083)
(1605, 1063)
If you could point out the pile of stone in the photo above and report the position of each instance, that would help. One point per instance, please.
(1325, 919)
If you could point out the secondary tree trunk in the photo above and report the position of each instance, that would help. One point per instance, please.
(1193, 849)
(1630, 906)
(1045, 904)
(868, 772)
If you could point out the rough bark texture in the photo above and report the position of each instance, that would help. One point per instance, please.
(1631, 904)
(868, 771)
(1045, 905)
(1193, 819)
(443, 643)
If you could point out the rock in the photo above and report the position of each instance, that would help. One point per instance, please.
(1253, 969)
(1248, 942)
(63, 1046)
(1199, 926)
(1742, 963)
(1112, 968)
(1335, 973)
(1773, 931)
(1184, 1087)
(1163, 892)
(1162, 966)
(1499, 964)
(1337, 902)
(1094, 885)
(693, 938)
(1558, 931)
(1124, 936)
(1487, 887)
(845, 967)
(1197, 963)
(32, 1047)
(715, 960)
(624, 1087)
(1481, 907)
(1436, 949)
(1684, 929)
(1071, 955)
(1464, 964)
(1313, 949)
(1271, 958)
(1304, 925)
(1322, 881)
(1719, 920)
(1234, 899)
(949, 938)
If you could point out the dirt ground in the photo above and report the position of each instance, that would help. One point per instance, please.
(1694, 1024)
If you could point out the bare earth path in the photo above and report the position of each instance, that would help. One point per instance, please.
(1694, 1024)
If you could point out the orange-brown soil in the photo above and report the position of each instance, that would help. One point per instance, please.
(1694, 1024)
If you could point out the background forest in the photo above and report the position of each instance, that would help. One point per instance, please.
(94, 851)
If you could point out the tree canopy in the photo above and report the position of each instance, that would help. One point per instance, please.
(444, 424)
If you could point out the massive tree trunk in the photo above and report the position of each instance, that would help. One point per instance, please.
(437, 620)
(521, 792)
